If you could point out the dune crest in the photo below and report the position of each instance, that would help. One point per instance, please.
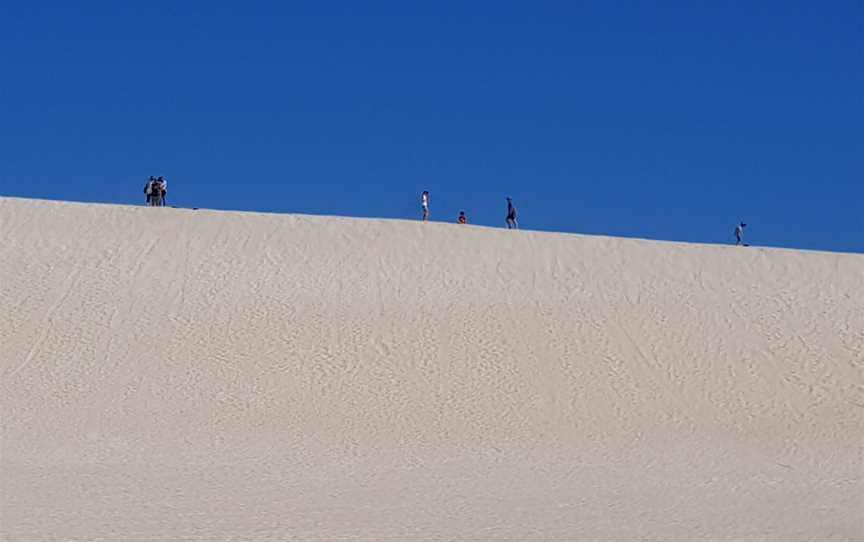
(172, 374)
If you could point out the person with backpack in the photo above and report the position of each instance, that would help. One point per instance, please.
(511, 215)
(739, 234)
(424, 204)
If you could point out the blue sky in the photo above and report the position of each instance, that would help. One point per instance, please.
(619, 118)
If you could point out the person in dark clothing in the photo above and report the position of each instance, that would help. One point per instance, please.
(739, 234)
(155, 190)
(511, 215)
(462, 218)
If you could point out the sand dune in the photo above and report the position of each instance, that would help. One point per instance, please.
(196, 375)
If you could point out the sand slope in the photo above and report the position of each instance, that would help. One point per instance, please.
(196, 375)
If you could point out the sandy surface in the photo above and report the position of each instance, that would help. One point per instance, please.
(196, 375)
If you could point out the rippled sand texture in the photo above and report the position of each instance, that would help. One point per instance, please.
(196, 375)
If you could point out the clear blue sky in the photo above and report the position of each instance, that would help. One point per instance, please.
(667, 121)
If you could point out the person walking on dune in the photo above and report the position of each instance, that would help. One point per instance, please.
(739, 234)
(424, 204)
(511, 215)
(462, 218)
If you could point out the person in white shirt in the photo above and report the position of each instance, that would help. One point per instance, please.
(424, 203)
(739, 234)
(148, 189)
(163, 189)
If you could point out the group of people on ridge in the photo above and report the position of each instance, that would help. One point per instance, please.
(156, 191)
(463, 219)
(512, 224)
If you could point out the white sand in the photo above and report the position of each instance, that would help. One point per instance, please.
(196, 375)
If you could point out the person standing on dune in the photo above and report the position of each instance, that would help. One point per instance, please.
(511, 215)
(155, 190)
(148, 189)
(739, 234)
(163, 187)
(462, 218)
(424, 204)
